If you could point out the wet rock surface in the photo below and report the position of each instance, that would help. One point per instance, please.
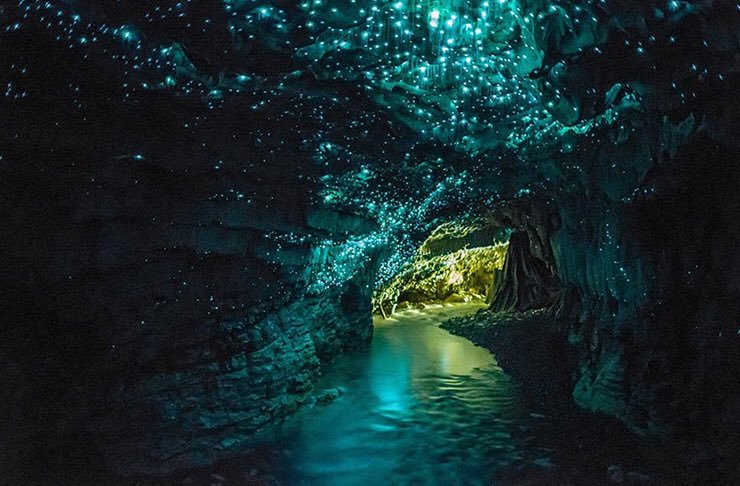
(530, 347)
(178, 316)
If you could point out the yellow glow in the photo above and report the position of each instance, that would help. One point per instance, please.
(455, 278)
(462, 275)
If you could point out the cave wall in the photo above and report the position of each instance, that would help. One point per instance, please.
(163, 307)
(642, 253)
(638, 220)
(652, 274)
(164, 345)
(637, 262)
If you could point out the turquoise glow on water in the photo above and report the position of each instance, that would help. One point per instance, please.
(420, 406)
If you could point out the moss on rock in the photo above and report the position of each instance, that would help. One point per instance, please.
(459, 274)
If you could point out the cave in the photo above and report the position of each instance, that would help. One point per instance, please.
(344, 242)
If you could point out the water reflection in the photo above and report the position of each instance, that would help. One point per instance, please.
(419, 407)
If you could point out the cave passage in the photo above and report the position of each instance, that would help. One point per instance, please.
(220, 213)
(421, 405)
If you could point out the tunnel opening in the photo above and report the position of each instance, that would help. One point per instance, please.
(457, 263)
(504, 259)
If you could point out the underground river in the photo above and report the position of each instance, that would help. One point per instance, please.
(419, 405)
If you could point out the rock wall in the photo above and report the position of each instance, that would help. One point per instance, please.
(177, 356)
(167, 345)
(642, 215)
(163, 307)
(651, 279)
(646, 291)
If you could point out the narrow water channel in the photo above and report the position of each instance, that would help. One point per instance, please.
(420, 406)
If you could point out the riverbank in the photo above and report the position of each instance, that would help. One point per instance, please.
(528, 346)
(587, 448)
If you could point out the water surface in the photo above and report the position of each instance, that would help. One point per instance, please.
(420, 406)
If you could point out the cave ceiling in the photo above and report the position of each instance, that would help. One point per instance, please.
(405, 111)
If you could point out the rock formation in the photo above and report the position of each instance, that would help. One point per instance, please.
(525, 282)
(456, 263)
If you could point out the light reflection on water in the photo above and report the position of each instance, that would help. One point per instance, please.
(421, 406)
